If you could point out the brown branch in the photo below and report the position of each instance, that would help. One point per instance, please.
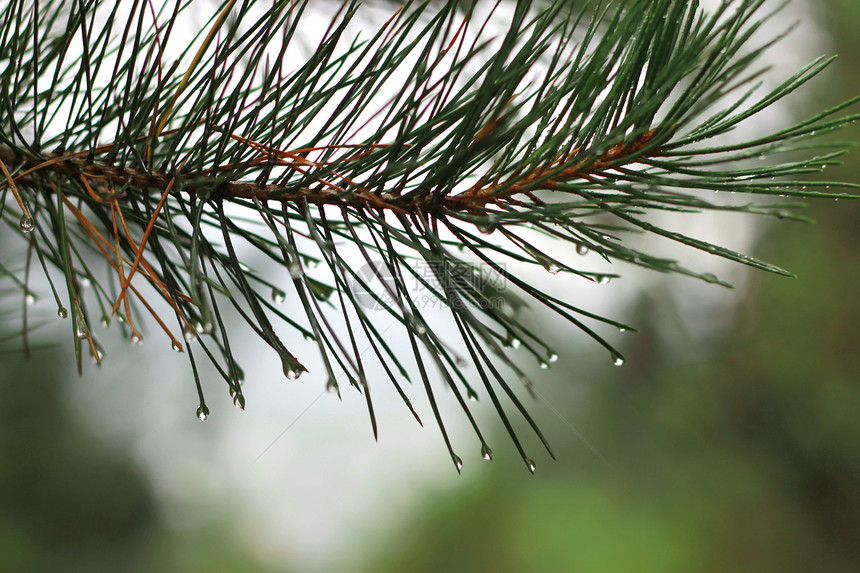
(349, 194)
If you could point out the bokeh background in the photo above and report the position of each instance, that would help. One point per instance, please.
(734, 448)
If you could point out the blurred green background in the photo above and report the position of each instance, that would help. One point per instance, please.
(744, 458)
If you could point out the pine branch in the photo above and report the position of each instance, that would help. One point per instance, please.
(430, 140)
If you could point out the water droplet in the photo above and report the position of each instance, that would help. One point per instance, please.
(311, 263)
(457, 462)
(208, 327)
(471, 395)
(62, 312)
(531, 465)
(120, 317)
(292, 374)
(295, 270)
(97, 353)
(80, 331)
(552, 356)
(332, 386)
(105, 320)
(543, 365)
(515, 342)
(136, 339)
(176, 346)
(233, 392)
(278, 296)
(486, 453)
(488, 225)
(581, 249)
(602, 279)
(617, 360)
(27, 224)
(189, 334)
(84, 281)
(202, 412)
(414, 323)
(552, 268)
(30, 299)
(239, 401)
(461, 362)
(309, 336)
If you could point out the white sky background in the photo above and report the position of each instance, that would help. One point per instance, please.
(324, 489)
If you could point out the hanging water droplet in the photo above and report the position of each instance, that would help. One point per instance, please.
(617, 360)
(581, 249)
(136, 339)
(488, 225)
(202, 412)
(552, 356)
(208, 327)
(486, 453)
(233, 392)
(176, 346)
(552, 268)
(292, 374)
(96, 353)
(239, 401)
(531, 465)
(120, 317)
(62, 312)
(309, 336)
(80, 331)
(543, 365)
(457, 462)
(105, 320)
(602, 279)
(84, 282)
(189, 334)
(295, 270)
(30, 299)
(278, 296)
(27, 224)
(471, 395)
(332, 386)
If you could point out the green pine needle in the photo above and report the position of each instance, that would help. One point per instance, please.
(432, 143)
